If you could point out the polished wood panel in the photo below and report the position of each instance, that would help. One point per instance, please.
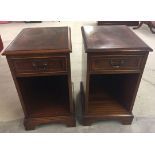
(35, 65)
(113, 62)
(112, 38)
(39, 61)
(41, 40)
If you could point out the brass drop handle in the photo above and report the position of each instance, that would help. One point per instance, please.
(44, 66)
(116, 63)
(34, 65)
(39, 67)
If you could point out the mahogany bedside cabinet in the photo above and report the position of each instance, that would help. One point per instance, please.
(39, 60)
(113, 62)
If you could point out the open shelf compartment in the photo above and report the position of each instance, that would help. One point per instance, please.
(111, 94)
(45, 96)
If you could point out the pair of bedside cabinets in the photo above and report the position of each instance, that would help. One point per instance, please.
(113, 60)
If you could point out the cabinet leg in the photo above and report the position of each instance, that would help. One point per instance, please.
(71, 123)
(127, 121)
(86, 122)
(29, 125)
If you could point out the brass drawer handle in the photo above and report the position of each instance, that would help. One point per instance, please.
(45, 66)
(116, 63)
(42, 67)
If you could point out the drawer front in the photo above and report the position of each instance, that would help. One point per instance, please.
(40, 65)
(116, 63)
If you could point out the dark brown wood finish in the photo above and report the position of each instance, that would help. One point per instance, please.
(39, 61)
(41, 40)
(112, 38)
(113, 62)
(128, 23)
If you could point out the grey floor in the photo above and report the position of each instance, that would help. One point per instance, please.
(139, 125)
(11, 114)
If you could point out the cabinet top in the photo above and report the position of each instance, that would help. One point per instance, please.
(41, 40)
(112, 38)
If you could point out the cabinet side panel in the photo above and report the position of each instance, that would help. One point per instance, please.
(138, 82)
(70, 85)
(16, 85)
(85, 80)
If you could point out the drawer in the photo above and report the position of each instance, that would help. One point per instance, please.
(122, 63)
(40, 65)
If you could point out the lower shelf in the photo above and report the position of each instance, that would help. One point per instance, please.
(104, 104)
(102, 101)
(111, 94)
(45, 96)
(48, 107)
(106, 108)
